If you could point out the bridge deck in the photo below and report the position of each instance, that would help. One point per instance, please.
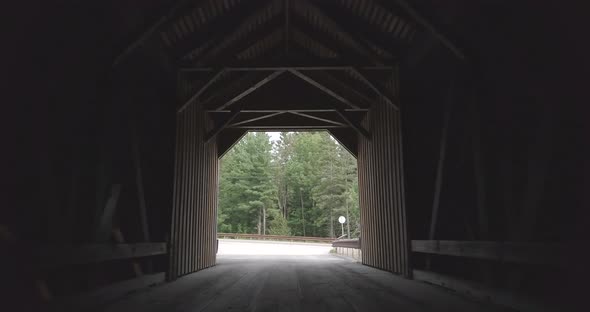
(294, 283)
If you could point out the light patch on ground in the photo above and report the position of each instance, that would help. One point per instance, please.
(271, 248)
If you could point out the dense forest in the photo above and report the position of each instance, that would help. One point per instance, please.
(297, 185)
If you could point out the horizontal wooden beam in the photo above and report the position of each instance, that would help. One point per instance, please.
(320, 110)
(347, 243)
(277, 68)
(480, 291)
(278, 128)
(516, 252)
(318, 118)
(255, 119)
(60, 255)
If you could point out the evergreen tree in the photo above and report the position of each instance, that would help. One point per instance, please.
(299, 185)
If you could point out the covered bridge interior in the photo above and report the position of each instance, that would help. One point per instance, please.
(469, 144)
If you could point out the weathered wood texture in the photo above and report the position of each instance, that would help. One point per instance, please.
(90, 301)
(58, 255)
(535, 253)
(481, 291)
(347, 243)
(295, 283)
(381, 192)
(193, 231)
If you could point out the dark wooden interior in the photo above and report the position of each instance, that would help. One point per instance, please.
(466, 116)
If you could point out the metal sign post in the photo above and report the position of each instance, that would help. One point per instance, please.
(342, 219)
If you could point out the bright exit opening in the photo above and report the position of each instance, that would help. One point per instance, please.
(286, 186)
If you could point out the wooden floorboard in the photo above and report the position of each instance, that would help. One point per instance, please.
(295, 283)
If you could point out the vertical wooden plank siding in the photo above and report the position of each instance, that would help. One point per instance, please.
(193, 231)
(383, 218)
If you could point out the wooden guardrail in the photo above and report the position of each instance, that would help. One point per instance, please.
(276, 237)
(509, 252)
(50, 257)
(347, 243)
(515, 252)
(58, 255)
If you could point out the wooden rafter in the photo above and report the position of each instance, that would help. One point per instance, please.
(374, 87)
(342, 48)
(318, 118)
(148, 32)
(321, 87)
(219, 27)
(350, 40)
(249, 30)
(359, 34)
(255, 119)
(420, 19)
(357, 127)
(202, 89)
(344, 88)
(259, 84)
(213, 133)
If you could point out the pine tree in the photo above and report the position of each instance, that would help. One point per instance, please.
(300, 184)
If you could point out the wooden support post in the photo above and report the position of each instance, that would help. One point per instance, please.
(480, 181)
(105, 222)
(140, 192)
(478, 170)
(441, 164)
(538, 160)
(118, 237)
(440, 167)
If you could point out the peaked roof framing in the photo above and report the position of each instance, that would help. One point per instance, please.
(232, 57)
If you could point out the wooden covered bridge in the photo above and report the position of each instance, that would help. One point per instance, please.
(460, 114)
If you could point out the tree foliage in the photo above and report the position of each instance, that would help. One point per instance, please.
(298, 185)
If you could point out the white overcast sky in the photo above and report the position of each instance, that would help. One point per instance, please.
(274, 136)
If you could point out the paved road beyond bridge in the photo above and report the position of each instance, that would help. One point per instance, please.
(233, 247)
(282, 276)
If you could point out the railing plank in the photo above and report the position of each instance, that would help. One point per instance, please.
(276, 237)
(516, 252)
(347, 243)
(58, 255)
(482, 292)
(107, 294)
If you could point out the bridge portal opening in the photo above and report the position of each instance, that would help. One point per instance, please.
(288, 186)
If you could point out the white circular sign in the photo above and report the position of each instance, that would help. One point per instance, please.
(341, 219)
